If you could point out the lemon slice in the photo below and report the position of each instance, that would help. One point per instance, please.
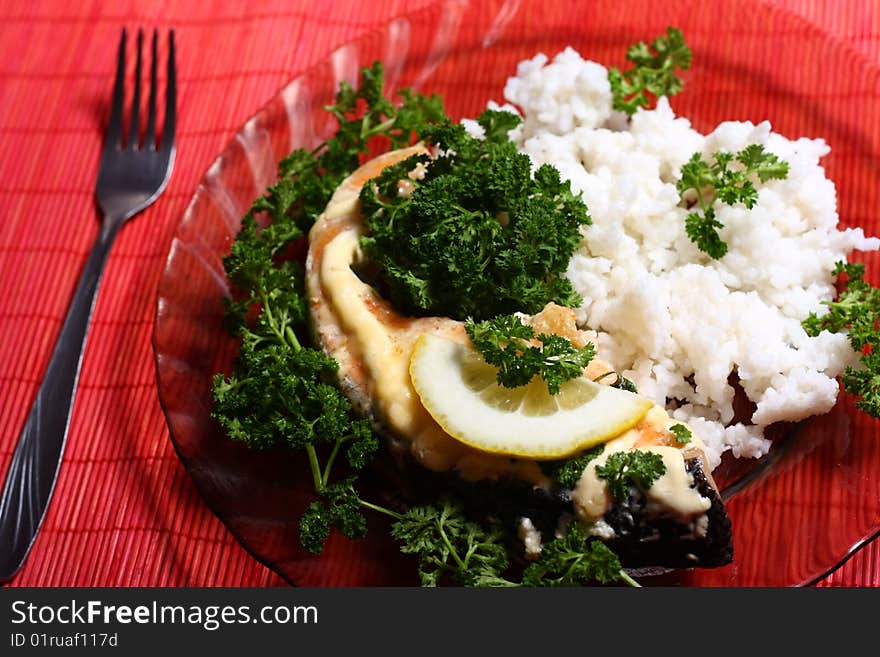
(458, 388)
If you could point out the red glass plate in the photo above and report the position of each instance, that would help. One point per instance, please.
(796, 515)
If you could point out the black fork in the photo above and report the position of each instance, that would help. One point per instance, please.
(130, 178)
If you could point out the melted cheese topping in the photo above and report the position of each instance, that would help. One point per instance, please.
(672, 493)
(384, 358)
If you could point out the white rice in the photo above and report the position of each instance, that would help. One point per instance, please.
(671, 319)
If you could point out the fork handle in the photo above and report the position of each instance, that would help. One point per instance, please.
(37, 457)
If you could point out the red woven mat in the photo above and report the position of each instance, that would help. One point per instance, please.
(125, 512)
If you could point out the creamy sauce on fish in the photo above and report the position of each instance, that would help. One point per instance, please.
(672, 493)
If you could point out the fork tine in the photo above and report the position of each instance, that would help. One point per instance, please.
(150, 135)
(134, 127)
(170, 99)
(114, 127)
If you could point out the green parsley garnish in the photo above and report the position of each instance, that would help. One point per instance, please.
(451, 547)
(729, 179)
(506, 343)
(622, 470)
(479, 235)
(856, 311)
(620, 382)
(279, 392)
(567, 472)
(625, 384)
(653, 71)
(572, 560)
(681, 433)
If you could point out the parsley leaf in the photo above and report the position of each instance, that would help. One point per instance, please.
(623, 470)
(453, 548)
(728, 178)
(572, 560)
(449, 545)
(765, 165)
(566, 473)
(856, 311)
(702, 229)
(653, 71)
(479, 235)
(681, 434)
(340, 507)
(625, 384)
(508, 344)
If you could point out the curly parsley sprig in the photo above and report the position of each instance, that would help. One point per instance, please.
(681, 434)
(574, 560)
(453, 548)
(565, 473)
(508, 344)
(729, 178)
(281, 391)
(653, 71)
(478, 235)
(636, 468)
(856, 311)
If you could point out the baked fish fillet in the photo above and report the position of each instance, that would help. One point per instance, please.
(679, 522)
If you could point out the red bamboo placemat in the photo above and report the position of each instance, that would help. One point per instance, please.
(125, 512)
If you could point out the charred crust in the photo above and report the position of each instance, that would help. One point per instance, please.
(641, 540)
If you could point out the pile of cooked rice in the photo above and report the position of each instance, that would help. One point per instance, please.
(667, 316)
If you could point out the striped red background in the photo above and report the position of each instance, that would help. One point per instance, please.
(125, 512)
